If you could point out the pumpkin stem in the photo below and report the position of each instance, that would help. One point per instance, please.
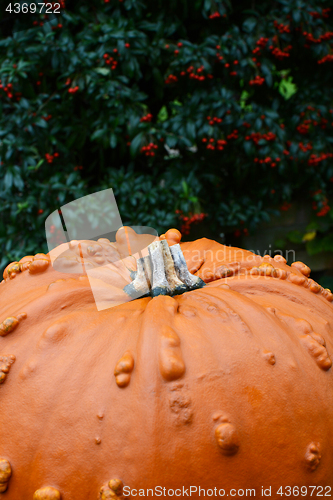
(163, 272)
(182, 271)
(160, 285)
(176, 285)
(139, 287)
(148, 270)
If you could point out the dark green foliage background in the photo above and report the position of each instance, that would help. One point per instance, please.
(93, 126)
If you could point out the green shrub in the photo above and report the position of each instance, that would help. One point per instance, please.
(182, 107)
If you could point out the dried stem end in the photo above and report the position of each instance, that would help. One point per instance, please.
(191, 281)
(139, 287)
(163, 272)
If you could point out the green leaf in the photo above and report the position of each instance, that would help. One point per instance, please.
(314, 246)
(113, 141)
(22, 206)
(327, 243)
(249, 24)
(136, 144)
(287, 88)
(190, 130)
(103, 71)
(295, 236)
(267, 74)
(171, 141)
(41, 123)
(247, 147)
(98, 134)
(71, 178)
(162, 115)
(8, 180)
(296, 14)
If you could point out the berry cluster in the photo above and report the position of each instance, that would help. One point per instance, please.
(315, 159)
(245, 124)
(214, 15)
(257, 136)
(110, 60)
(305, 147)
(233, 135)
(78, 167)
(213, 120)
(194, 76)
(8, 89)
(258, 80)
(323, 38)
(226, 65)
(238, 232)
(285, 206)
(327, 58)
(187, 221)
(171, 79)
(72, 90)
(190, 70)
(148, 149)
(267, 161)
(323, 123)
(218, 55)
(318, 15)
(303, 128)
(281, 54)
(220, 143)
(282, 28)
(47, 117)
(146, 118)
(262, 42)
(49, 157)
(325, 208)
(59, 26)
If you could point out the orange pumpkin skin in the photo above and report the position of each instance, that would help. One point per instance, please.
(228, 386)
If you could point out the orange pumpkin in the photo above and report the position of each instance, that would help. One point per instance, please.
(227, 386)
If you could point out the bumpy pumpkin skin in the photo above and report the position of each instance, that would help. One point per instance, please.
(228, 386)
